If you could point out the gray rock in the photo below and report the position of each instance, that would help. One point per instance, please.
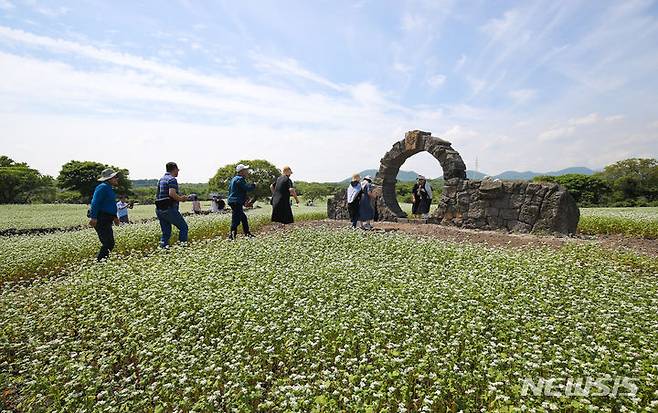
(488, 204)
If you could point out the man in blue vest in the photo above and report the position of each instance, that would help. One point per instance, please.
(166, 206)
(103, 211)
(237, 196)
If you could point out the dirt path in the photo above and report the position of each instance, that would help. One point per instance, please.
(490, 238)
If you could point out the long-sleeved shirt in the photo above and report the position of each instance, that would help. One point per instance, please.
(353, 191)
(104, 200)
(237, 190)
(122, 209)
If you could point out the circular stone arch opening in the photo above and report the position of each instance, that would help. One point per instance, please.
(414, 142)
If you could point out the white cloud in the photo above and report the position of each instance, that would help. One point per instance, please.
(436, 81)
(292, 67)
(571, 125)
(52, 12)
(477, 85)
(460, 63)
(500, 26)
(402, 67)
(413, 22)
(6, 5)
(520, 96)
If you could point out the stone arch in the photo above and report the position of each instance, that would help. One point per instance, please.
(414, 142)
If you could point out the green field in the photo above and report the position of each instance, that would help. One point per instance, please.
(633, 222)
(315, 319)
(64, 216)
(330, 320)
(25, 256)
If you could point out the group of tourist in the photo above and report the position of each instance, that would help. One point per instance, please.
(359, 204)
(105, 211)
(360, 195)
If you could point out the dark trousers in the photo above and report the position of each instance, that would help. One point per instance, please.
(353, 209)
(238, 217)
(168, 217)
(105, 234)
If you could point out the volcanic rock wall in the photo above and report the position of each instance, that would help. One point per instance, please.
(516, 206)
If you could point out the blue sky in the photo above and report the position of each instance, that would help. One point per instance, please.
(327, 86)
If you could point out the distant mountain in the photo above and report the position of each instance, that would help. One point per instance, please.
(410, 176)
(476, 175)
(403, 176)
(528, 175)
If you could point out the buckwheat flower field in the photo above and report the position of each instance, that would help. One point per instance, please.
(29, 255)
(633, 222)
(332, 320)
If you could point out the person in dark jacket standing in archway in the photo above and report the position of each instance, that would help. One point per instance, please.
(237, 196)
(103, 212)
(283, 190)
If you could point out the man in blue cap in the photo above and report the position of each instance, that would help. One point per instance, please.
(103, 211)
(237, 196)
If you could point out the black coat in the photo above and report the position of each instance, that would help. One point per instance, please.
(281, 210)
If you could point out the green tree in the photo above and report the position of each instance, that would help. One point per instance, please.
(82, 176)
(586, 189)
(263, 174)
(632, 179)
(21, 184)
(314, 190)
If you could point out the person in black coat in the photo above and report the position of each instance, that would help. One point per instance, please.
(422, 198)
(282, 190)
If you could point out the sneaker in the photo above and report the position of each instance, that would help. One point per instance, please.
(249, 235)
(233, 235)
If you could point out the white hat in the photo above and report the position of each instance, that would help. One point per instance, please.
(368, 178)
(241, 167)
(107, 174)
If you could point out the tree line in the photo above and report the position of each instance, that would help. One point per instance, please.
(631, 182)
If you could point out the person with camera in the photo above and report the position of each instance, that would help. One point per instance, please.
(166, 206)
(237, 196)
(103, 211)
(122, 209)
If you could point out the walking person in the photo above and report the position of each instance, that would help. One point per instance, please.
(122, 209)
(422, 198)
(103, 211)
(354, 194)
(366, 211)
(166, 206)
(237, 196)
(283, 190)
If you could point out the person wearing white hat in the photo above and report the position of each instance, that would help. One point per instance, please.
(237, 196)
(103, 211)
(366, 211)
